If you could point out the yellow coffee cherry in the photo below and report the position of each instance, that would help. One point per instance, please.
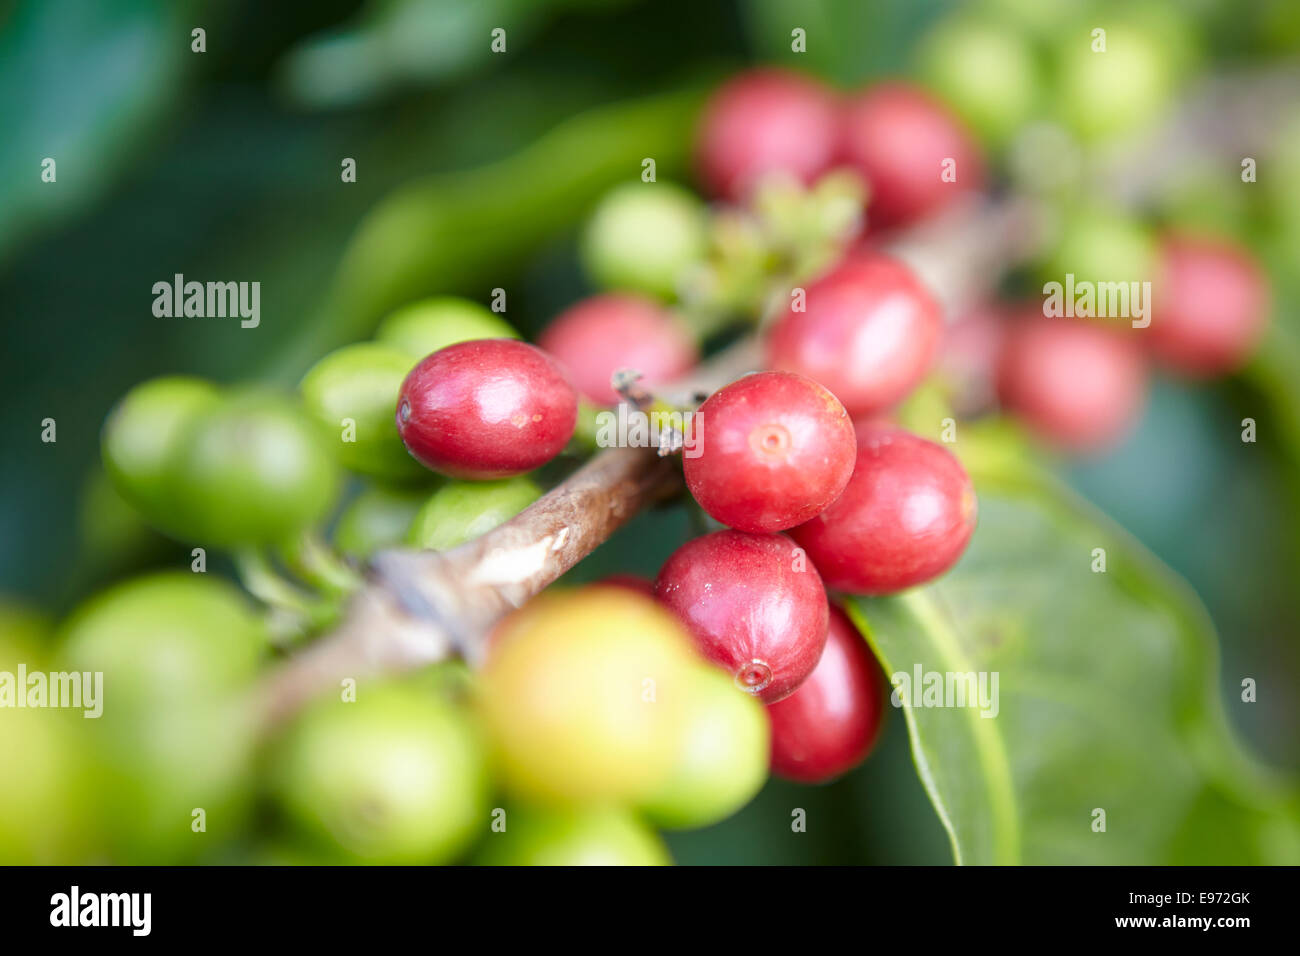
(584, 694)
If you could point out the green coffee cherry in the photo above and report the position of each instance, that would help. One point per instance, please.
(724, 757)
(425, 327)
(1100, 245)
(253, 470)
(167, 637)
(142, 433)
(643, 237)
(352, 392)
(397, 776)
(1102, 95)
(986, 72)
(44, 804)
(176, 651)
(378, 518)
(597, 836)
(45, 790)
(461, 510)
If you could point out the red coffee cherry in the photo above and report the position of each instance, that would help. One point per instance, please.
(766, 121)
(868, 332)
(905, 517)
(600, 335)
(754, 604)
(775, 449)
(829, 725)
(968, 359)
(488, 408)
(1078, 385)
(1211, 306)
(900, 139)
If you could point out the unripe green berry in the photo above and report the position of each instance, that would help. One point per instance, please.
(142, 433)
(723, 759)
(166, 638)
(253, 470)
(177, 651)
(378, 518)
(596, 836)
(987, 73)
(1104, 94)
(424, 327)
(461, 510)
(643, 237)
(1100, 245)
(397, 776)
(352, 392)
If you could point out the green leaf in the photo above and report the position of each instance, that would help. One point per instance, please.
(1106, 698)
(456, 231)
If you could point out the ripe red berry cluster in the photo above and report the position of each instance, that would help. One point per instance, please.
(1080, 385)
(914, 154)
(866, 508)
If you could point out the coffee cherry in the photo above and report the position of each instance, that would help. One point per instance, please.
(775, 448)
(424, 327)
(397, 776)
(177, 652)
(903, 142)
(606, 333)
(969, 357)
(868, 332)
(254, 469)
(1211, 306)
(829, 725)
(754, 605)
(462, 510)
(585, 696)
(905, 517)
(378, 518)
(489, 408)
(166, 638)
(723, 759)
(587, 836)
(987, 73)
(47, 798)
(763, 122)
(142, 433)
(1078, 385)
(352, 392)
(1100, 244)
(644, 237)
(1101, 95)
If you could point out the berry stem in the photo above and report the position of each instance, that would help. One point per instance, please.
(314, 560)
